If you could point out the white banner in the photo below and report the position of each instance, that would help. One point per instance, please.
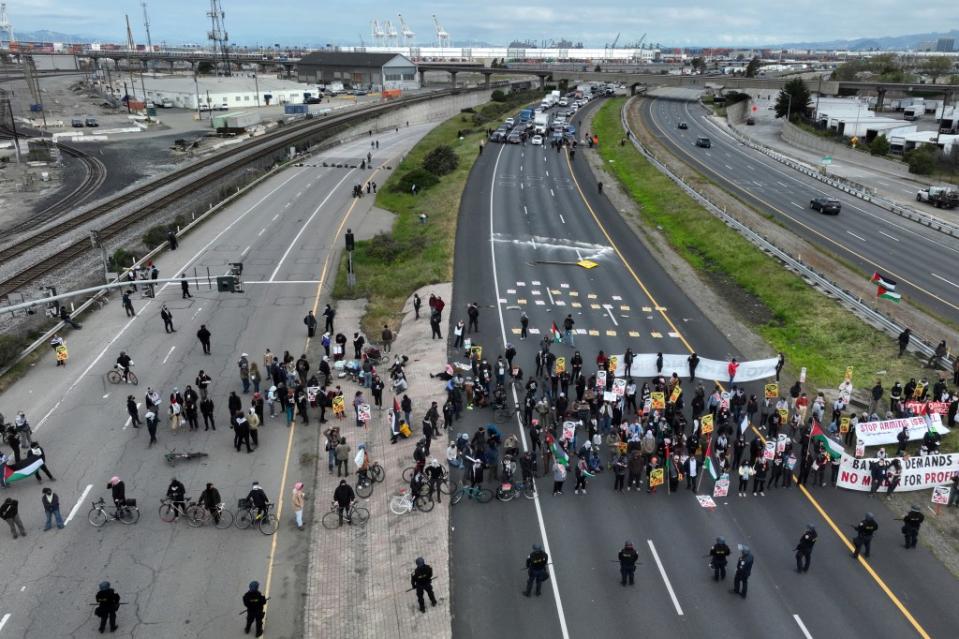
(918, 473)
(886, 431)
(644, 365)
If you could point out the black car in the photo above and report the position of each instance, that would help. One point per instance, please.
(825, 205)
(683, 125)
(704, 143)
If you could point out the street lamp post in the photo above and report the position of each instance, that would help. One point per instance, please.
(256, 83)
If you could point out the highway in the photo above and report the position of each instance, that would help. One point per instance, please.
(181, 581)
(524, 210)
(922, 261)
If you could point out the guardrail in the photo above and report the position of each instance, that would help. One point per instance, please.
(818, 280)
(845, 186)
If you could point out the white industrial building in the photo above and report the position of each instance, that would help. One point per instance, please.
(217, 93)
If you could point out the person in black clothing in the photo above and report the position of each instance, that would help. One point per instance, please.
(118, 491)
(865, 529)
(108, 602)
(536, 569)
(206, 409)
(254, 602)
(422, 581)
(693, 360)
(258, 500)
(717, 558)
(910, 526)
(133, 411)
(779, 365)
(65, 317)
(210, 499)
(9, 512)
(176, 491)
(167, 318)
(204, 336)
(184, 287)
(310, 321)
(472, 312)
(343, 497)
(904, 340)
(417, 303)
(37, 451)
(804, 548)
(128, 304)
(744, 568)
(329, 314)
(627, 563)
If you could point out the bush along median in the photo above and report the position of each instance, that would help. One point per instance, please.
(812, 331)
(424, 193)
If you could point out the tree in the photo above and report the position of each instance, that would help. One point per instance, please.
(699, 64)
(752, 68)
(441, 160)
(204, 67)
(937, 67)
(879, 145)
(498, 96)
(793, 100)
(922, 159)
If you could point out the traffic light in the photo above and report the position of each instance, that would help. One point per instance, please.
(350, 242)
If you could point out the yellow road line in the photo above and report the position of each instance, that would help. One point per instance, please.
(882, 584)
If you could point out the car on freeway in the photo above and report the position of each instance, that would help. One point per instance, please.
(515, 137)
(703, 142)
(537, 140)
(509, 121)
(828, 205)
(497, 136)
(682, 125)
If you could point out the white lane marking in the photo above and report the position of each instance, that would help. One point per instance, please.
(262, 231)
(284, 206)
(196, 256)
(759, 184)
(522, 431)
(4, 620)
(802, 627)
(307, 223)
(196, 313)
(172, 348)
(797, 205)
(76, 507)
(944, 280)
(547, 174)
(858, 237)
(520, 186)
(284, 282)
(896, 239)
(550, 294)
(609, 311)
(562, 219)
(662, 571)
(107, 395)
(274, 217)
(245, 251)
(520, 167)
(299, 194)
(551, 193)
(782, 184)
(129, 421)
(727, 166)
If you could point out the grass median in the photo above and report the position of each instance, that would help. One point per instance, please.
(809, 328)
(414, 254)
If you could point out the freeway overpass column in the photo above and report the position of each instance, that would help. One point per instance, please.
(542, 81)
(880, 98)
(422, 78)
(453, 79)
(486, 79)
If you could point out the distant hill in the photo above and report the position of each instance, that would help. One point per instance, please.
(44, 35)
(885, 42)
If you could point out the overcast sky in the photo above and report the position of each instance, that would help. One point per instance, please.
(676, 22)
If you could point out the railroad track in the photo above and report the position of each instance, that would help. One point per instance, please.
(260, 147)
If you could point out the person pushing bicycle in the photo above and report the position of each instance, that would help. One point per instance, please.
(176, 491)
(258, 500)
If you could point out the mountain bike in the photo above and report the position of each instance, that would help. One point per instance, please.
(374, 475)
(480, 494)
(248, 515)
(507, 491)
(200, 515)
(127, 514)
(445, 486)
(404, 502)
(355, 515)
(115, 376)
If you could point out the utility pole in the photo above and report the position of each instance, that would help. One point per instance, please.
(5, 103)
(256, 83)
(350, 245)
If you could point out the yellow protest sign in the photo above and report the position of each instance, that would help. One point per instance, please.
(62, 354)
(674, 396)
(477, 351)
(613, 362)
(339, 405)
(844, 425)
(706, 424)
(920, 389)
(659, 400)
(656, 478)
(560, 365)
(771, 391)
(784, 415)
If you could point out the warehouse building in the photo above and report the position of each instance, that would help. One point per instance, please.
(370, 71)
(215, 93)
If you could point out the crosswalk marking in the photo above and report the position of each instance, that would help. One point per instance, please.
(647, 309)
(595, 306)
(555, 291)
(511, 291)
(502, 300)
(536, 291)
(560, 303)
(623, 307)
(517, 331)
(634, 333)
(534, 331)
(593, 333)
(591, 296)
(673, 334)
(564, 285)
(617, 298)
(576, 305)
(535, 282)
(661, 309)
(540, 303)
(610, 333)
(574, 293)
(520, 283)
(657, 335)
(580, 331)
(520, 301)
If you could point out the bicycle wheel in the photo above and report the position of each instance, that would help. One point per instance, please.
(504, 495)
(226, 519)
(129, 515)
(269, 524)
(114, 377)
(377, 473)
(360, 515)
(97, 517)
(483, 495)
(364, 489)
(399, 505)
(167, 513)
(446, 487)
(132, 378)
(424, 504)
(331, 520)
(243, 519)
(458, 496)
(529, 491)
(408, 474)
(196, 515)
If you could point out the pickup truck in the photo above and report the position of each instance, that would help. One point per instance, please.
(942, 197)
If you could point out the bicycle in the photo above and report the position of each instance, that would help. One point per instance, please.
(445, 487)
(173, 457)
(247, 515)
(202, 515)
(364, 484)
(170, 512)
(355, 514)
(403, 503)
(507, 491)
(127, 514)
(480, 494)
(115, 376)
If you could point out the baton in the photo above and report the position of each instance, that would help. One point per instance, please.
(243, 612)
(414, 587)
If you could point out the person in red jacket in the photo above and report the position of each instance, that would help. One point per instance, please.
(731, 369)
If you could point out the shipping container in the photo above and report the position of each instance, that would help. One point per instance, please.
(295, 109)
(238, 119)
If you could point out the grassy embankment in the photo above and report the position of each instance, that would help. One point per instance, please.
(391, 266)
(812, 330)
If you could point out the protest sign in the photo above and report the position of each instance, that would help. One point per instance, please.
(363, 413)
(886, 431)
(706, 424)
(659, 400)
(656, 478)
(771, 391)
(918, 473)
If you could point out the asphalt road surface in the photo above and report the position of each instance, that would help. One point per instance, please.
(923, 262)
(523, 211)
(180, 581)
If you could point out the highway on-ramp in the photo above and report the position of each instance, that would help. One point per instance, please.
(924, 262)
(527, 214)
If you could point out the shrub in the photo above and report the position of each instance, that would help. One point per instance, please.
(157, 235)
(441, 160)
(121, 259)
(921, 160)
(498, 96)
(422, 178)
(10, 347)
(879, 145)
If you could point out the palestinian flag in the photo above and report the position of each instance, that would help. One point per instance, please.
(558, 453)
(883, 282)
(708, 462)
(886, 294)
(24, 469)
(557, 336)
(832, 447)
(744, 424)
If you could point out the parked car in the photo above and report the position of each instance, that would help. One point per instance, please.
(90, 121)
(683, 126)
(825, 205)
(515, 137)
(537, 140)
(703, 142)
(76, 123)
